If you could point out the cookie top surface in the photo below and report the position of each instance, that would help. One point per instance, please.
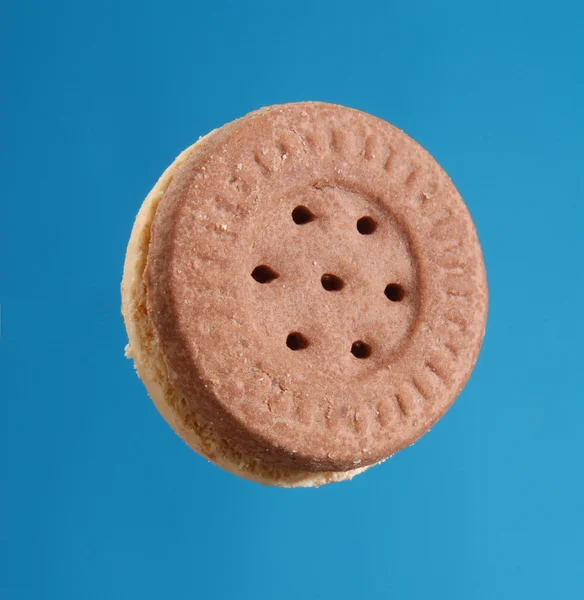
(316, 285)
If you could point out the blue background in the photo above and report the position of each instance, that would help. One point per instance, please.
(98, 498)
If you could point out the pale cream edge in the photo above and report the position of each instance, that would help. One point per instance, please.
(151, 367)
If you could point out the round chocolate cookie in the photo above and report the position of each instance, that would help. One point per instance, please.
(304, 293)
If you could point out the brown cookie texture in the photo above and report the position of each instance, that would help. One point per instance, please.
(315, 286)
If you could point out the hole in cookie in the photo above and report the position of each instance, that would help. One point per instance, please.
(296, 341)
(394, 292)
(366, 225)
(360, 349)
(332, 283)
(302, 215)
(264, 274)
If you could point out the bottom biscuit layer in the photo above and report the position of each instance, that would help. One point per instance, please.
(151, 367)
